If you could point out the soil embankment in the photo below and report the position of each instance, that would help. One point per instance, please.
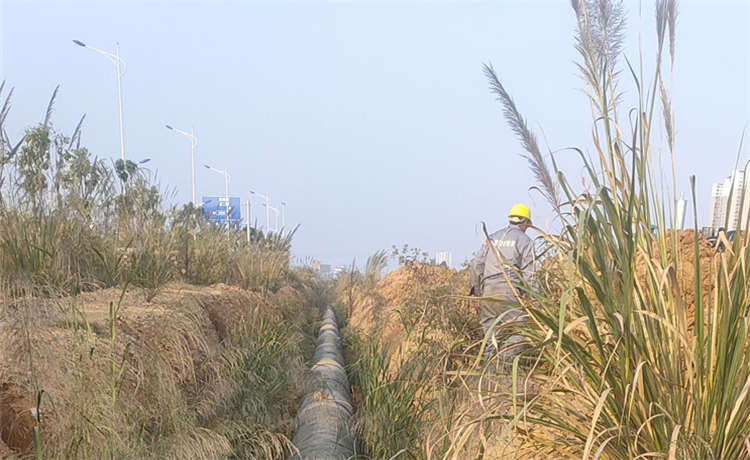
(199, 372)
(403, 333)
(413, 299)
(414, 340)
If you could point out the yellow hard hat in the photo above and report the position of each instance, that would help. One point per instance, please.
(519, 212)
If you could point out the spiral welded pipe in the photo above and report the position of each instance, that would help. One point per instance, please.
(322, 426)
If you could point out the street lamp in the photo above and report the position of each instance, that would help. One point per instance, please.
(268, 204)
(283, 214)
(226, 187)
(247, 219)
(120, 65)
(193, 141)
(276, 216)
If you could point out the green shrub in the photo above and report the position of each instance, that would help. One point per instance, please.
(395, 399)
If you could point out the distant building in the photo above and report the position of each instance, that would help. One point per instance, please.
(325, 270)
(338, 269)
(736, 186)
(315, 265)
(444, 257)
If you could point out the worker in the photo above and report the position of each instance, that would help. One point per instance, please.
(488, 279)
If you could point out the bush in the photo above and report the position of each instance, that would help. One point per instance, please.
(394, 398)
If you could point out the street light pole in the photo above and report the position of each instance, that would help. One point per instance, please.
(119, 98)
(120, 65)
(193, 141)
(268, 204)
(283, 214)
(247, 219)
(226, 188)
(276, 216)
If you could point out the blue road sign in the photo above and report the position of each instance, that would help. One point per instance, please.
(215, 210)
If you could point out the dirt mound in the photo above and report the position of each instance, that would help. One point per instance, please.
(171, 352)
(687, 261)
(16, 419)
(414, 298)
(5, 451)
(685, 267)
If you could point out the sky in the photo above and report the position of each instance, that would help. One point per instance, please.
(371, 119)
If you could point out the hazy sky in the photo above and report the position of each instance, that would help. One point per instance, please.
(371, 119)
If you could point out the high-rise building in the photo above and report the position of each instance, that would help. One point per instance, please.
(735, 186)
(444, 256)
(315, 265)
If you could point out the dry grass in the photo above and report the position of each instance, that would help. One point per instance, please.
(638, 337)
(189, 369)
(411, 341)
(101, 337)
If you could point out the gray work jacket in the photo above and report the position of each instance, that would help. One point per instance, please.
(516, 250)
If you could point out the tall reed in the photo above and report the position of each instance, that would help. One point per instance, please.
(633, 368)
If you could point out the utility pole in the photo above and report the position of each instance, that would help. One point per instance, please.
(247, 219)
(120, 66)
(226, 188)
(193, 141)
(276, 216)
(268, 207)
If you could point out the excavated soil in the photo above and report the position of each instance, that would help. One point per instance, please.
(686, 265)
(172, 346)
(16, 419)
(421, 312)
(412, 294)
(407, 295)
(685, 268)
(5, 451)
(411, 299)
(410, 304)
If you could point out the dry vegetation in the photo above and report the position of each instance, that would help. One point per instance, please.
(413, 341)
(196, 372)
(637, 336)
(116, 341)
(132, 330)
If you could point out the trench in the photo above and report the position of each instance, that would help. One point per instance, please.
(323, 422)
